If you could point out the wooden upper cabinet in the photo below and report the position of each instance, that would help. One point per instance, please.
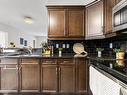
(76, 23)
(66, 22)
(94, 20)
(99, 19)
(56, 23)
(108, 5)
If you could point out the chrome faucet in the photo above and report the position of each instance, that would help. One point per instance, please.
(30, 50)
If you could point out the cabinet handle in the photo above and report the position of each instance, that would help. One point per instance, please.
(48, 62)
(58, 70)
(66, 61)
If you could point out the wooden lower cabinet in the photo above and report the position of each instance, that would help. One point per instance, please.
(29, 78)
(8, 75)
(67, 78)
(49, 78)
(9, 78)
(45, 76)
(82, 76)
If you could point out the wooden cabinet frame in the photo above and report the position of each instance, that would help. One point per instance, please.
(70, 28)
(65, 69)
(106, 29)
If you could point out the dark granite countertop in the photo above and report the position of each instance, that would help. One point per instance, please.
(104, 57)
(69, 55)
(115, 67)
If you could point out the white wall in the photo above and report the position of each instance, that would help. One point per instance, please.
(3, 39)
(14, 35)
(39, 40)
(29, 39)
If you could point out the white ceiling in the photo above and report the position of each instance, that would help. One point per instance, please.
(13, 11)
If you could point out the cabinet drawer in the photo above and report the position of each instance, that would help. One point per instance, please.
(9, 67)
(9, 61)
(66, 61)
(30, 61)
(49, 61)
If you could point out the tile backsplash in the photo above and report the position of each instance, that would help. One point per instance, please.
(108, 44)
(66, 45)
(90, 45)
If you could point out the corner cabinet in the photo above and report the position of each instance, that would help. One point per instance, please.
(66, 22)
(94, 21)
(99, 19)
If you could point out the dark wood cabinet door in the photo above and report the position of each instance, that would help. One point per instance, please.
(67, 78)
(66, 75)
(66, 22)
(9, 78)
(76, 22)
(49, 78)
(29, 77)
(8, 75)
(82, 76)
(108, 5)
(56, 23)
(94, 21)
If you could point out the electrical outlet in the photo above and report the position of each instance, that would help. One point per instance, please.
(63, 45)
(110, 45)
(57, 45)
(67, 45)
